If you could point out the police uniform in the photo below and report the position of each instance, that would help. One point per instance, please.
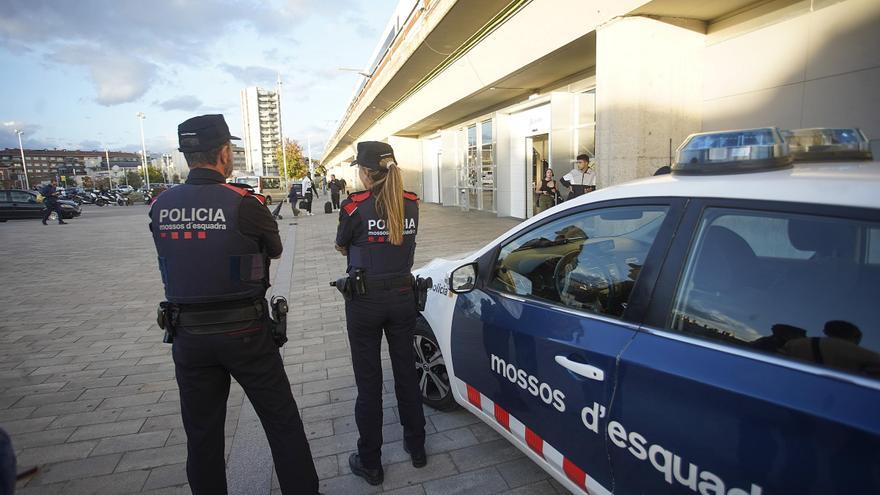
(214, 242)
(387, 305)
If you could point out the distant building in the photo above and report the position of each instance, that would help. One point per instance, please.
(44, 166)
(262, 135)
(479, 98)
(239, 159)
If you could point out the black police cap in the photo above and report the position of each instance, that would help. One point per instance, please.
(203, 133)
(371, 153)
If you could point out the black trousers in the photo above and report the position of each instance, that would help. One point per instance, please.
(309, 202)
(203, 365)
(51, 206)
(367, 316)
(334, 198)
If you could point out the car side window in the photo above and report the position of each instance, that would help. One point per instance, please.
(21, 197)
(800, 286)
(587, 261)
(4, 197)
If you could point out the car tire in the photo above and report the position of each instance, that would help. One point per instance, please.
(431, 368)
(53, 216)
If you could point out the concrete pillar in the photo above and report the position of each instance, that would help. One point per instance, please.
(648, 91)
(408, 152)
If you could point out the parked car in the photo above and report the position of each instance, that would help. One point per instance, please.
(714, 330)
(125, 189)
(18, 204)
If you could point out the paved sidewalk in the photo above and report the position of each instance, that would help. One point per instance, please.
(87, 389)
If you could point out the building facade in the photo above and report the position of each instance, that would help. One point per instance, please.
(262, 132)
(479, 98)
(43, 166)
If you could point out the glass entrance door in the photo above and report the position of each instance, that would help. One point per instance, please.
(537, 162)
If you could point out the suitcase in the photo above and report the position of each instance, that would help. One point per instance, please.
(328, 207)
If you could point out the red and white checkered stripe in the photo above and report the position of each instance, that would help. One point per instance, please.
(543, 449)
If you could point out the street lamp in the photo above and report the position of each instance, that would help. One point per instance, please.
(141, 117)
(27, 184)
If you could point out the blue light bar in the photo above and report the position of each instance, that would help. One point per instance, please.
(731, 152)
(823, 143)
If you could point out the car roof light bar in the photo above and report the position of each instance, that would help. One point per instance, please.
(731, 152)
(826, 143)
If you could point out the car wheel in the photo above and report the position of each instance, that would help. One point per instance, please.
(53, 216)
(431, 368)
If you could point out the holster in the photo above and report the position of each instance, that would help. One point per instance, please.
(166, 317)
(344, 286)
(420, 291)
(278, 320)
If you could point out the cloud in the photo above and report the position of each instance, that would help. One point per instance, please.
(251, 75)
(187, 103)
(8, 138)
(118, 77)
(90, 144)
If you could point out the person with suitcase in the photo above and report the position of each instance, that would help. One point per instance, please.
(309, 192)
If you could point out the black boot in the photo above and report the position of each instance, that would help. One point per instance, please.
(373, 476)
(44, 223)
(62, 222)
(419, 457)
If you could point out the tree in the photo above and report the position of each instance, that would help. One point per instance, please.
(175, 178)
(296, 164)
(87, 182)
(134, 179)
(155, 175)
(102, 183)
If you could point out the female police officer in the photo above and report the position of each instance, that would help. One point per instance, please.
(377, 231)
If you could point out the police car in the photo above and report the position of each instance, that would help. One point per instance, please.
(715, 330)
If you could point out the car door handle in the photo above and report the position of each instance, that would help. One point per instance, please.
(585, 370)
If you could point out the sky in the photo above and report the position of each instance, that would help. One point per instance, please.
(76, 73)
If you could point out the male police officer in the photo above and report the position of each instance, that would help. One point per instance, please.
(214, 241)
(581, 179)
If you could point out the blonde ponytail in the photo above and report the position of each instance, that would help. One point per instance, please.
(388, 188)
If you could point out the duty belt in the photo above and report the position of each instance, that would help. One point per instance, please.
(389, 283)
(220, 319)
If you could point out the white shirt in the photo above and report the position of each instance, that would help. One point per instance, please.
(576, 177)
(306, 185)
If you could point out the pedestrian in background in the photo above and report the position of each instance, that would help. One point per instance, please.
(335, 187)
(218, 317)
(547, 192)
(377, 232)
(292, 198)
(582, 179)
(50, 203)
(309, 192)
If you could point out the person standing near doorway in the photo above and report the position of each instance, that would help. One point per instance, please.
(309, 192)
(50, 201)
(547, 191)
(582, 179)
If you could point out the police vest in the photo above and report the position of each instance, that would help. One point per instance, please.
(203, 257)
(371, 250)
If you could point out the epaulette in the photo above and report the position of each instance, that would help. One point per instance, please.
(354, 199)
(244, 191)
(410, 196)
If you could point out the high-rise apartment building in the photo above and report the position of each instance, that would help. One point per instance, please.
(262, 135)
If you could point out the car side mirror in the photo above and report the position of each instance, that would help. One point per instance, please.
(463, 279)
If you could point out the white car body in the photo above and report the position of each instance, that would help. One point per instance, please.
(855, 184)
